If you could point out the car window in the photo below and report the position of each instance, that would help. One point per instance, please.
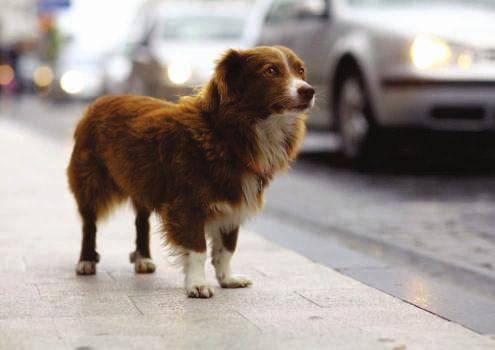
(282, 10)
(286, 9)
(196, 28)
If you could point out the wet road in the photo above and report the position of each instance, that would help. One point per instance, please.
(420, 228)
(445, 216)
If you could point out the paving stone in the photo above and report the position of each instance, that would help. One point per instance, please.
(29, 343)
(11, 260)
(20, 290)
(18, 328)
(348, 297)
(225, 299)
(138, 286)
(429, 335)
(173, 323)
(66, 306)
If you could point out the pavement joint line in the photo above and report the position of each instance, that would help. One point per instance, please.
(24, 262)
(134, 304)
(37, 289)
(247, 319)
(112, 277)
(308, 299)
(57, 331)
(260, 272)
(374, 268)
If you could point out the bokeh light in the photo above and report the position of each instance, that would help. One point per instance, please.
(6, 74)
(43, 76)
(72, 82)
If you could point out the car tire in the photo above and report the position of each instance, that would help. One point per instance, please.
(357, 127)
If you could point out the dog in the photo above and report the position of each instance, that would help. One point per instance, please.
(201, 164)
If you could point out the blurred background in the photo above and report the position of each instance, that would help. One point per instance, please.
(395, 184)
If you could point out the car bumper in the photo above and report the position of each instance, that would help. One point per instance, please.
(437, 104)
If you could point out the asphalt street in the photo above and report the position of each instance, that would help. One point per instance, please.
(418, 227)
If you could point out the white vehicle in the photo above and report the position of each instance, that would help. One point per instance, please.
(381, 64)
(178, 43)
(91, 29)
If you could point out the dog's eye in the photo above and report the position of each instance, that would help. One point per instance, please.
(301, 70)
(272, 71)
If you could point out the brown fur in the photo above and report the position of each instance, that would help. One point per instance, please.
(178, 160)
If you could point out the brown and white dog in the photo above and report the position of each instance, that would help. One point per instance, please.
(201, 164)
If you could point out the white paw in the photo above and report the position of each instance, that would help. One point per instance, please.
(235, 281)
(86, 268)
(199, 291)
(142, 265)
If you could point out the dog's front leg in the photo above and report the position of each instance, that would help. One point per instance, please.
(223, 247)
(186, 237)
(195, 280)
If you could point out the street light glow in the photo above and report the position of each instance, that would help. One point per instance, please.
(72, 82)
(6, 74)
(43, 76)
(179, 72)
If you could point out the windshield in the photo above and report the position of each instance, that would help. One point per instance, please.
(200, 28)
(418, 2)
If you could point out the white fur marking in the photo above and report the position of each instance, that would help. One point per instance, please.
(142, 264)
(229, 217)
(220, 258)
(195, 280)
(294, 85)
(86, 268)
(271, 134)
(284, 57)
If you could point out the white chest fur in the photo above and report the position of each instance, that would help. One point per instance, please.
(272, 134)
(227, 216)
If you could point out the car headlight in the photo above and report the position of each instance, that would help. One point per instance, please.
(429, 51)
(179, 72)
(73, 82)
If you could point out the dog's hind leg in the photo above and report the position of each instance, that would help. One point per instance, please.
(95, 194)
(89, 257)
(91, 212)
(141, 257)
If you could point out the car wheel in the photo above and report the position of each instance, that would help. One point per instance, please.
(356, 125)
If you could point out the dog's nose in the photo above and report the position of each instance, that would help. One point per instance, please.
(306, 92)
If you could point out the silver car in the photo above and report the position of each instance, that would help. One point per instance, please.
(381, 64)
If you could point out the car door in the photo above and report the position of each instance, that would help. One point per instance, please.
(310, 37)
(306, 27)
(277, 28)
(313, 36)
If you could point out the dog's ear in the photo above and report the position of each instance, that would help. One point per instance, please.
(225, 85)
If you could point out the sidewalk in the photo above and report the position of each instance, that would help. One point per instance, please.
(293, 303)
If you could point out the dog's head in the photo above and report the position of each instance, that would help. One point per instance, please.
(266, 80)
